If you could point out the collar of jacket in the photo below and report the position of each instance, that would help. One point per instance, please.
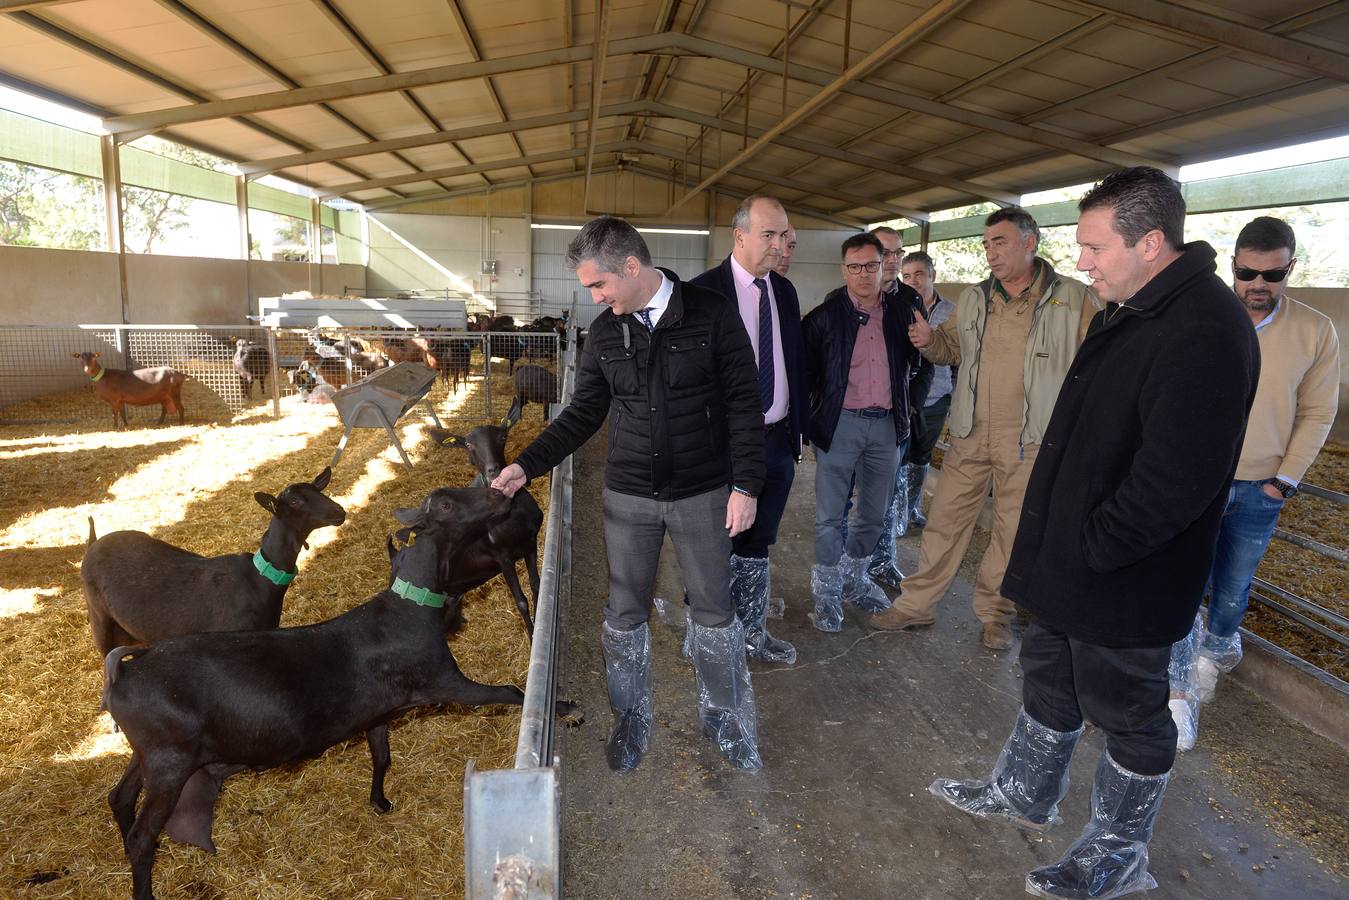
(1045, 275)
(1197, 259)
(674, 310)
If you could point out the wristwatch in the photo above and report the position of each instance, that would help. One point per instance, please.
(739, 490)
(1282, 487)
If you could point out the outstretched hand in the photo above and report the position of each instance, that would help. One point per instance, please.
(920, 333)
(511, 479)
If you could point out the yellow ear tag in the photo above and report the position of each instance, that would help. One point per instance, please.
(412, 538)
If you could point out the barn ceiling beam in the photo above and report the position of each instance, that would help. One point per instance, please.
(914, 31)
(791, 206)
(57, 33)
(380, 84)
(434, 196)
(221, 37)
(1225, 32)
(340, 190)
(894, 95)
(895, 168)
(603, 16)
(12, 6)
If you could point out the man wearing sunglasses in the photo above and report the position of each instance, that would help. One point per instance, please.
(1295, 405)
(857, 378)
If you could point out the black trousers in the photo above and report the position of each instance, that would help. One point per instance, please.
(780, 472)
(1123, 691)
(934, 417)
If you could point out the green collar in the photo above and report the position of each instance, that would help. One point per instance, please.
(270, 572)
(418, 595)
(101, 373)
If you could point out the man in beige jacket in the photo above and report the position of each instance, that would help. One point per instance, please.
(1295, 405)
(1013, 336)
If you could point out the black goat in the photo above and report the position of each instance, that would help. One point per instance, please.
(200, 707)
(535, 384)
(252, 362)
(507, 541)
(139, 589)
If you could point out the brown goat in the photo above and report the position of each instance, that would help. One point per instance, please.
(139, 387)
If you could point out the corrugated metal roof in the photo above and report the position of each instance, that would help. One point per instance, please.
(963, 101)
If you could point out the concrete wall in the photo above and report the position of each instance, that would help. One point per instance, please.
(63, 287)
(446, 246)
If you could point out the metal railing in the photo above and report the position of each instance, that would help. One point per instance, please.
(1291, 605)
(513, 817)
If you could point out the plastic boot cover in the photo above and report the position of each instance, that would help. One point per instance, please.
(725, 696)
(859, 589)
(669, 613)
(881, 567)
(1184, 677)
(1185, 713)
(1206, 674)
(826, 586)
(1110, 859)
(1029, 780)
(777, 607)
(627, 663)
(916, 476)
(1224, 651)
(750, 581)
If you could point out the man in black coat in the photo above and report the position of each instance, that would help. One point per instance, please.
(672, 363)
(857, 372)
(772, 315)
(1118, 531)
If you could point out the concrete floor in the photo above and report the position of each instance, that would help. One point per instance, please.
(851, 736)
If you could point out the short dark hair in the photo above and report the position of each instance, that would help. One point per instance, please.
(1024, 221)
(919, 256)
(866, 239)
(608, 241)
(1142, 199)
(1266, 233)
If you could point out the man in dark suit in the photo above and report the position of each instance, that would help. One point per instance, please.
(772, 316)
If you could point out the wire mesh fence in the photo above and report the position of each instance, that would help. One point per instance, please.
(232, 369)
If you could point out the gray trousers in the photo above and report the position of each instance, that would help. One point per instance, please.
(864, 448)
(634, 530)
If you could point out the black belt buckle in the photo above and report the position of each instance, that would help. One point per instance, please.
(873, 412)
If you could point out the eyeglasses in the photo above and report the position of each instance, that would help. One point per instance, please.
(859, 268)
(1273, 276)
(892, 254)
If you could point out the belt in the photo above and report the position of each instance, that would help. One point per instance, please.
(871, 412)
(778, 424)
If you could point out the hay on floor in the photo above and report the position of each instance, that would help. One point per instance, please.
(306, 831)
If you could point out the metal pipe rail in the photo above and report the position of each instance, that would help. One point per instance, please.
(513, 817)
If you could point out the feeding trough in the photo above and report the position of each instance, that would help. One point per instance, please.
(381, 399)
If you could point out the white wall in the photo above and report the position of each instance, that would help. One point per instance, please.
(448, 244)
(63, 287)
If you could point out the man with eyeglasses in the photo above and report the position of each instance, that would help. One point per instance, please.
(857, 376)
(772, 316)
(1013, 336)
(1295, 404)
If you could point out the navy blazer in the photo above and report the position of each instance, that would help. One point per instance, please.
(722, 280)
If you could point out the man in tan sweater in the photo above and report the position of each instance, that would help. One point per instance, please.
(1014, 337)
(1295, 405)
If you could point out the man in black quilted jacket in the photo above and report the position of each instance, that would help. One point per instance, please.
(670, 365)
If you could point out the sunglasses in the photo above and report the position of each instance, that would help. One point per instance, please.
(1273, 276)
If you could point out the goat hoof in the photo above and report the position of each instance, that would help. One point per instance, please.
(381, 805)
(570, 714)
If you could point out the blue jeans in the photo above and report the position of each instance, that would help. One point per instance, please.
(1247, 525)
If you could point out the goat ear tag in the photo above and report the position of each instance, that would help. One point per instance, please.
(266, 501)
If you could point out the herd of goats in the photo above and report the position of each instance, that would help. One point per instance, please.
(328, 362)
(203, 683)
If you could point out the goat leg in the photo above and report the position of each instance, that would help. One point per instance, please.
(122, 798)
(142, 840)
(513, 581)
(378, 739)
(453, 686)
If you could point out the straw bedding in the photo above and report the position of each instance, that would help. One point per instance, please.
(306, 831)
